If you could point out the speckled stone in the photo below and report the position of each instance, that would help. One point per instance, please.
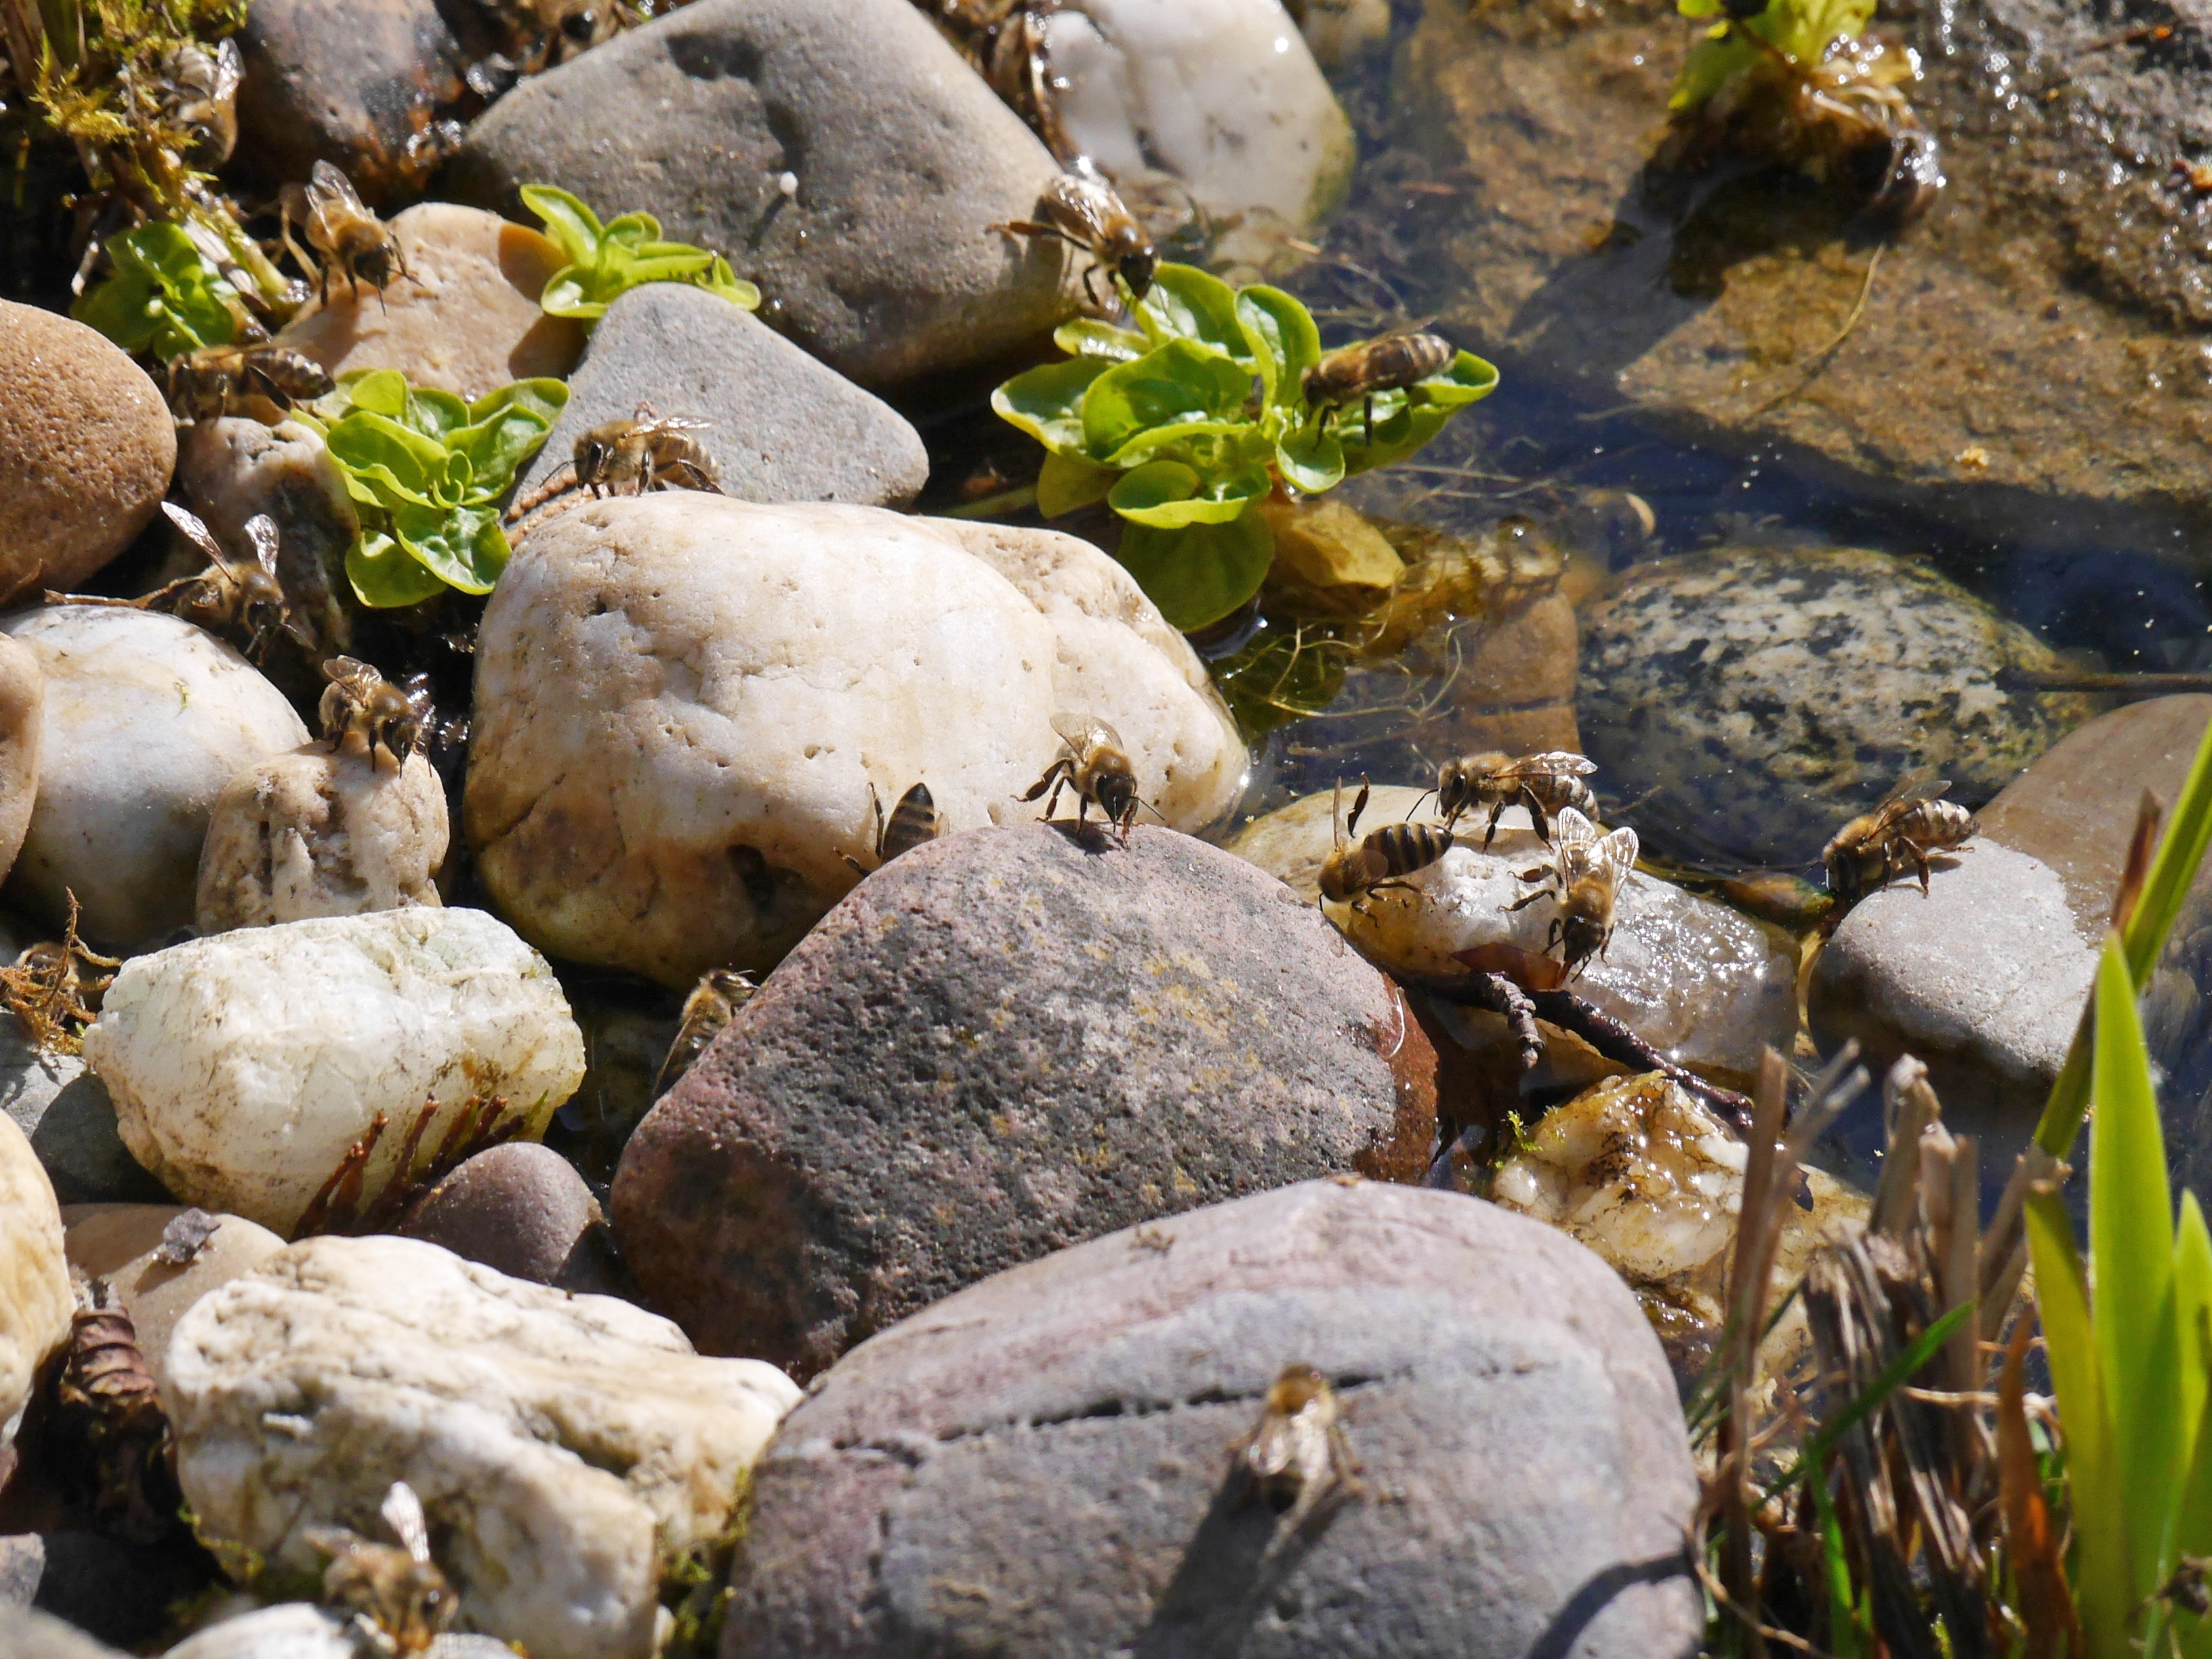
(87, 447)
(1043, 1464)
(1752, 700)
(1002, 1044)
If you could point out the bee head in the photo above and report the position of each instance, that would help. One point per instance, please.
(1117, 793)
(593, 452)
(1136, 258)
(429, 1597)
(1583, 923)
(375, 262)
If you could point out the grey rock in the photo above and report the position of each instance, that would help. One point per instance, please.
(780, 427)
(1753, 700)
(881, 263)
(1043, 1464)
(523, 1209)
(1715, 303)
(34, 1635)
(1002, 1044)
(65, 1112)
(22, 1563)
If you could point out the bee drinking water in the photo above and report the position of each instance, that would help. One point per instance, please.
(914, 821)
(350, 238)
(1082, 210)
(713, 1004)
(1584, 877)
(1544, 784)
(230, 597)
(1911, 822)
(1299, 1451)
(208, 383)
(1092, 762)
(1379, 860)
(399, 1599)
(649, 451)
(364, 713)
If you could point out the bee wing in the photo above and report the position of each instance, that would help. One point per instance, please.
(1571, 829)
(1616, 853)
(229, 69)
(327, 184)
(1082, 731)
(1920, 784)
(349, 672)
(1553, 762)
(403, 1513)
(261, 537)
(196, 532)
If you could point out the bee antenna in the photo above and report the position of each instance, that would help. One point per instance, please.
(1153, 810)
(1416, 806)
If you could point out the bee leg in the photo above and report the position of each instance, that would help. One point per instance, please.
(1342, 1464)
(1371, 419)
(1528, 899)
(1541, 824)
(1053, 775)
(1490, 834)
(1920, 859)
(1358, 805)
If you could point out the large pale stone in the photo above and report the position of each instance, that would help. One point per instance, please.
(683, 702)
(146, 720)
(564, 1447)
(34, 1289)
(122, 1244)
(300, 1630)
(244, 1065)
(468, 323)
(23, 706)
(317, 833)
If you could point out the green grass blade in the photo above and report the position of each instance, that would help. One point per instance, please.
(2103, 1584)
(1844, 1633)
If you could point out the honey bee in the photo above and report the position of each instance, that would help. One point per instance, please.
(1082, 210)
(1389, 362)
(1006, 42)
(362, 713)
(713, 1004)
(628, 458)
(351, 237)
(915, 820)
(1299, 1451)
(231, 596)
(1911, 822)
(1584, 877)
(1092, 762)
(199, 98)
(206, 384)
(1379, 860)
(1542, 783)
(397, 1597)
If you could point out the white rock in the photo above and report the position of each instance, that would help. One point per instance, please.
(35, 1304)
(683, 702)
(315, 833)
(1701, 982)
(1222, 95)
(147, 718)
(564, 1447)
(299, 1630)
(243, 1065)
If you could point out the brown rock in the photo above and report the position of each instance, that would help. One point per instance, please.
(468, 323)
(87, 447)
(1001, 1044)
(523, 1209)
(118, 1243)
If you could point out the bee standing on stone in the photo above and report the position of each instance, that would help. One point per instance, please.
(628, 458)
(713, 1004)
(207, 383)
(1912, 821)
(1389, 362)
(1379, 860)
(362, 713)
(199, 97)
(1092, 762)
(914, 821)
(1585, 877)
(398, 1594)
(231, 596)
(1546, 783)
(351, 238)
(1082, 210)
(1299, 1451)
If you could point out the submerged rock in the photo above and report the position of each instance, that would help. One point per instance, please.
(1650, 1179)
(1753, 700)
(779, 426)
(145, 722)
(35, 1304)
(876, 260)
(1047, 1461)
(682, 702)
(566, 1448)
(159, 1266)
(1702, 983)
(465, 319)
(1002, 1044)
(244, 1065)
(1747, 310)
(318, 833)
(87, 447)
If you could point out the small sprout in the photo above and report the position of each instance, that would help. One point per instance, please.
(606, 261)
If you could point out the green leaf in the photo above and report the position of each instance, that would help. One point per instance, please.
(574, 226)
(1310, 460)
(1205, 442)
(1465, 379)
(1169, 495)
(1185, 303)
(1398, 434)
(385, 576)
(1047, 402)
(1285, 341)
(463, 547)
(1086, 336)
(1181, 381)
(1199, 575)
(434, 414)
(390, 464)
(1069, 481)
(505, 431)
(379, 390)
(604, 263)
(164, 296)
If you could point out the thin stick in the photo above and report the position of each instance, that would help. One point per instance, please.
(1821, 357)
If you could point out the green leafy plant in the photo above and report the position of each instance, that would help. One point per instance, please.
(427, 473)
(164, 297)
(1187, 424)
(606, 261)
(1801, 30)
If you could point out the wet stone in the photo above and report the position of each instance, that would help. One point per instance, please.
(1751, 700)
(298, 1630)
(900, 155)
(1045, 1463)
(1001, 1044)
(779, 426)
